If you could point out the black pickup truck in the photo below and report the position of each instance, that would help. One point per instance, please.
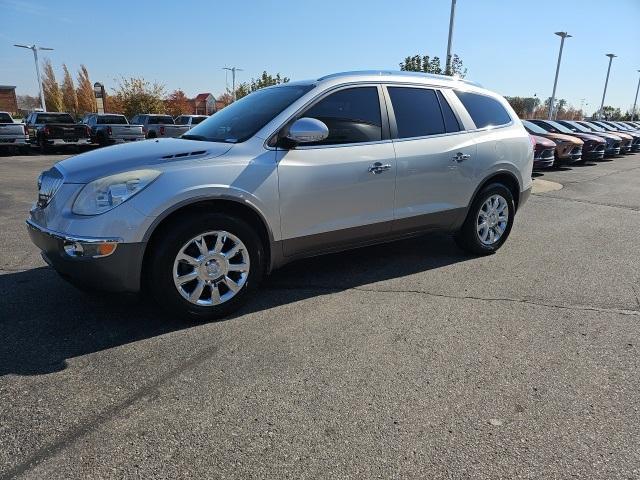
(54, 129)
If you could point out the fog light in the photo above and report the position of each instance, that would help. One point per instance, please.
(90, 250)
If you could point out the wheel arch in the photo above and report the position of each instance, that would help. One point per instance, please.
(227, 205)
(507, 178)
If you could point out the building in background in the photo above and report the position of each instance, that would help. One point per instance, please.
(204, 104)
(8, 100)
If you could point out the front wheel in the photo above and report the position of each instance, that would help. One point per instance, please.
(488, 221)
(203, 267)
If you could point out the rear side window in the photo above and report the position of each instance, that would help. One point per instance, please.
(417, 112)
(352, 115)
(485, 111)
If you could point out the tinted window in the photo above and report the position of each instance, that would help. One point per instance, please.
(485, 111)
(533, 128)
(112, 120)
(182, 120)
(352, 115)
(161, 120)
(242, 119)
(197, 120)
(5, 118)
(417, 112)
(450, 120)
(54, 118)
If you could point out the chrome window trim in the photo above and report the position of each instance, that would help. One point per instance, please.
(338, 145)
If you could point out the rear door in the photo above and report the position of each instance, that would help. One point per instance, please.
(339, 192)
(433, 154)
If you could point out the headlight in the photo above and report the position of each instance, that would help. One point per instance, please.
(106, 193)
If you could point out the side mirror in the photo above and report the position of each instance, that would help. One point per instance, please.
(307, 130)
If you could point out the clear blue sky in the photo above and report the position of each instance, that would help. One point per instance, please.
(507, 45)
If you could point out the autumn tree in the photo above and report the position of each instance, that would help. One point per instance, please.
(51, 89)
(69, 96)
(524, 106)
(177, 103)
(265, 80)
(137, 95)
(427, 64)
(84, 92)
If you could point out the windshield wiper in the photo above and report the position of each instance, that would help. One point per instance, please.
(186, 136)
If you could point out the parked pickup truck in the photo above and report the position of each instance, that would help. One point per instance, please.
(159, 126)
(13, 135)
(55, 129)
(190, 120)
(108, 129)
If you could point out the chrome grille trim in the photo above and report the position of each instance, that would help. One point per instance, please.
(49, 182)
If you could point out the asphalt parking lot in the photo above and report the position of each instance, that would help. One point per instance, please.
(410, 359)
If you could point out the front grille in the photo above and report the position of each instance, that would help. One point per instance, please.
(49, 183)
(599, 148)
(546, 154)
(576, 150)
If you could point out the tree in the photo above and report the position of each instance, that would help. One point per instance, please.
(610, 113)
(265, 80)
(51, 89)
(84, 92)
(27, 102)
(177, 103)
(426, 64)
(524, 106)
(69, 96)
(137, 95)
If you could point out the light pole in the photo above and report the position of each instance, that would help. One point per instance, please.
(233, 71)
(606, 82)
(34, 48)
(635, 102)
(447, 70)
(562, 36)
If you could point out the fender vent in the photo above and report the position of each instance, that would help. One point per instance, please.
(185, 154)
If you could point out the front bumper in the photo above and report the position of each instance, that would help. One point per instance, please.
(120, 271)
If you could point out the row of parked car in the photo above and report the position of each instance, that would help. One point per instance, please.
(562, 142)
(47, 130)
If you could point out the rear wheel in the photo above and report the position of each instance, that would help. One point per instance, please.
(44, 147)
(488, 221)
(203, 267)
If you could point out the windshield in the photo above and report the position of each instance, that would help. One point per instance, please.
(561, 128)
(112, 120)
(5, 118)
(242, 119)
(533, 128)
(54, 118)
(592, 127)
(573, 126)
(605, 126)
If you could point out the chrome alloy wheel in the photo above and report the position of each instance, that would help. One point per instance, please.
(211, 269)
(492, 220)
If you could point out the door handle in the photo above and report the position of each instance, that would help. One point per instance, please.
(379, 168)
(461, 157)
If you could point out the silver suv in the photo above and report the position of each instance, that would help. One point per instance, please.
(289, 171)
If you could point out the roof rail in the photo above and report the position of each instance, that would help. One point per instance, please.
(398, 73)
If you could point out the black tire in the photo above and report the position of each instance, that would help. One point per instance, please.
(151, 135)
(42, 143)
(101, 140)
(25, 150)
(167, 243)
(468, 238)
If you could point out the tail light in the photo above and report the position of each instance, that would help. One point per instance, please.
(162, 130)
(46, 130)
(144, 130)
(109, 131)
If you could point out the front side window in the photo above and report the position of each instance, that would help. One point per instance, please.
(484, 111)
(352, 115)
(417, 112)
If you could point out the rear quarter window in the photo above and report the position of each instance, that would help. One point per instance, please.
(484, 111)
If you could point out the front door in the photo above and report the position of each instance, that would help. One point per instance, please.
(339, 192)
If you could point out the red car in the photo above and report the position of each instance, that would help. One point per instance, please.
(594, 146)
(544, 152)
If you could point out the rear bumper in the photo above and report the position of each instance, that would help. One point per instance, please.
(14, 142)
(118, 140)
(59, 142)
(117, 272)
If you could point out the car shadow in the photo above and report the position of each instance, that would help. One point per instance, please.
(44, 321)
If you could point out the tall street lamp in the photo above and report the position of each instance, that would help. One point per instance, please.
(606, 82)
(447, 70)
(34, 48)
(233, 71)
(635, 102)
(562, 36)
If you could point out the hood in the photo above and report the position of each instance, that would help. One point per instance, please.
(89, 166)
(607, 136)
(625, 135)
(588, 136)
(544, 142)
(566, 138)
